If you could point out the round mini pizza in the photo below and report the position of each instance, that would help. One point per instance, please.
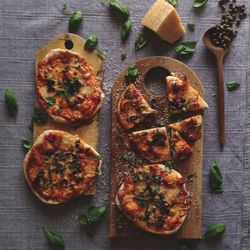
(67, 87)
(155, 199)
(60, 166)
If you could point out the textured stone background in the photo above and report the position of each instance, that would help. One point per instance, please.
(26, 26)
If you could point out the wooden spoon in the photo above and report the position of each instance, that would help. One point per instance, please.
(219, 54)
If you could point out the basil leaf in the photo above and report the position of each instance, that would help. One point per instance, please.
(94, 215)
(233, 85)
(183, 246)
(39, 116)
(91, 42)
(50, 100)
(26, 143)
(54, 237)
(185, 48)
(173, 2)
(191, 26)
(215, 230)
(215, 178)
(126, 30)
(199, 3)
(10, 100)
(131, 73)
(160, 122)
(119, 8)
(123, 55)
(101, 54)
(75, 21)
(64, 7)
(140, 41)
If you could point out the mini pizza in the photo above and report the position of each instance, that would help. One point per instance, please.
(155, 199)
(132, 107)
(153, 144)
(189, 129)
(182, 97)
(60, 166)
(67, 87)
(180, 149)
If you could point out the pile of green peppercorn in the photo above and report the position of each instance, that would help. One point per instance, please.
(224, 33)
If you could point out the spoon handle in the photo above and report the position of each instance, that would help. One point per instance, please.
(221, 100)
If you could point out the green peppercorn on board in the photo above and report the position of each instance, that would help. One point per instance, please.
(191, 168)
(89, 132)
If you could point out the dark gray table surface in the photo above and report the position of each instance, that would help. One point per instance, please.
(26, 26)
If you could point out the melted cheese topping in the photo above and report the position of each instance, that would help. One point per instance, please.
(132, 107)
(154, 199)
(60, 166)
(182, 97)
(67, 88)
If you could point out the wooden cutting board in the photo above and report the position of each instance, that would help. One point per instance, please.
(89, 132)
(192, 167)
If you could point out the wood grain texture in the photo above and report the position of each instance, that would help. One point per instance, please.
(87, 132)
(119, 225)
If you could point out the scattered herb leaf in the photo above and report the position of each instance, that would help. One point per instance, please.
(160, 122)
(126, 30)
(50, 100)
(191, 26)
(185, 48)
(64, 7)
(173, 2)
(215, 230)
(91, 42)
(26, 143)
(39, 116)
(140, 41)
(233, 85)
(131, 73)
(123, 55)
(99, 171)
(10, 100)
(199, 3)
(119, 8)
(215, 178)
(93, 215)
(54, 237)
(101, 54)
(75, 21)
(169, 165)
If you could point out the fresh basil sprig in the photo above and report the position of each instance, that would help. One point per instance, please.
(199, 3)
(173, 2)
(91, 42)
(185, 48)
(119, 8)
(75, 21)
(11, 102)
(141, 41)
(126, 30)
(54, 237)
(93, 215)
(50, 100)
(131, 73)
(215, 178)
(215, 230)
(26, 143)
(191, 26)
(233, 85)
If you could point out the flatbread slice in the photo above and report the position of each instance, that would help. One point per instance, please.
(153, 144)
(132, 107)
(67, 88)
(60, 166)
(189, 129)
(182, 97)
(155, 199)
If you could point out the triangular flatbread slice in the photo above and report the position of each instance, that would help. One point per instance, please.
(153, 144)
(189, 129)
(132, 107)
(182, 97)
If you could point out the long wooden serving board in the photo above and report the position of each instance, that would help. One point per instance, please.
(88, 132)
(120, 167)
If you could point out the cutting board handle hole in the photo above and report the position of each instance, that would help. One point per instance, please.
(155, 80)
(69, 44)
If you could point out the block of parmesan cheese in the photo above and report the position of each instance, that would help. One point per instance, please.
(163, 19)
